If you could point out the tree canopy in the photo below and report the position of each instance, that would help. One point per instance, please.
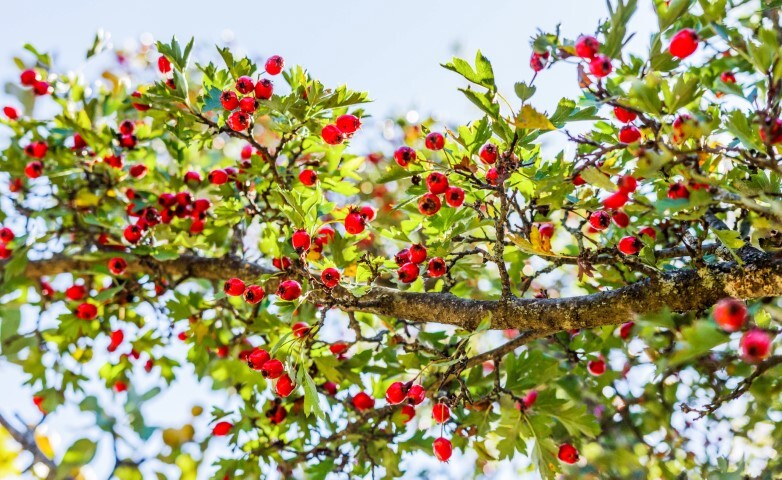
(606, 312)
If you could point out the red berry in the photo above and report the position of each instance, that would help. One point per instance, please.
(596, 367)
(348, 124)
(11, 113)
(441, 413)
(678, 190)
(404, 155)
(308, 177)
(238, 121)
(454, 196)
(330, 388)
(163, 64)
(493, 176)
(132, 233)
(630, 245)
(117, 336)
(417, 253)
(437, 183)
(755, 346)
(530, 398)
(615, 200)
(567, 453)
(229, 100)
(248, 105)
(218, 177)
(244, 84)
(435, 141)
(578, 180)
(234, 287)
(138, 170)
(222, 429)
(6, 235)
(184, 198)
(86, 311)
(141, 107)
(537, 61)
(282, 263)
(624, 116)
(488, 153)
(247, 152)
(29, 77)
(274, 65)
(396, 393)
(254, 294)
(326, 234)
(201, 205)
(117, 266)
(120, 386)
(774, 128)
(429, 204)
(284, 386)
(193, 179)
(442, 449)
(408, 272)
(600, 66)
(332, 135)
(546, 230)
(408, 412)
(437, 267)
(368, 213)
(730, 314)
(587, 46)
(5, 252)
(621, 219)
(416, 394)
(684, 43)
(300, 329)
(600, 220)
(330, 277)
(42, 88)
(257, 358)
(272, 369)
(363, 401)
(339, 348)
(354, 223)
(167, 200)
(36, 149)
(75, 292)
(264, 89)
(648, 231)
(728, 77)
(629, 134)
(627, 183)
(625, 330)
(402, 256)
(301, 241)
(289, 290)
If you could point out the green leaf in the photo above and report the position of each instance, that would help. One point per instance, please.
(483, 74)
(594, 176)
(531, 119)
(524, 91)
(311, 397)
(484, 101)
(616, 31)
(80, 453)
(530, 369)
(666, 16)
(573, 416)
(730, 238)
(697, 339)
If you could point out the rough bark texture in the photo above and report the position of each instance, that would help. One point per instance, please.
(685, 290)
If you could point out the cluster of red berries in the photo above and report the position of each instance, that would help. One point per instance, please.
(415, 394)
(259, 359)
(731, 315)
(6, 237)
(409, 259)
(31, 78)
(287, 290)
(239, 120)
(587, 47)
(357, 219)
(344, 128)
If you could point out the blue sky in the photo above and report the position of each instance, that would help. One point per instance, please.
(390, 49)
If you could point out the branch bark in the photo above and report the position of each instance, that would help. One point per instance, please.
(681, 291)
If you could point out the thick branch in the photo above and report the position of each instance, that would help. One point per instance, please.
(681, 291)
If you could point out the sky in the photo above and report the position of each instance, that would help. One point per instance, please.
(393, 50)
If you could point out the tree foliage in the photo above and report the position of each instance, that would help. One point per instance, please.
(160, 224)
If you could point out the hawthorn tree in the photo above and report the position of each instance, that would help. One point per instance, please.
(607, 313)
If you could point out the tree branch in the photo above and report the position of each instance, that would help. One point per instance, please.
(27, 441)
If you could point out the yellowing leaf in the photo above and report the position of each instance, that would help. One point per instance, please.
(539, 243)
(532, 119)
(44, 445)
